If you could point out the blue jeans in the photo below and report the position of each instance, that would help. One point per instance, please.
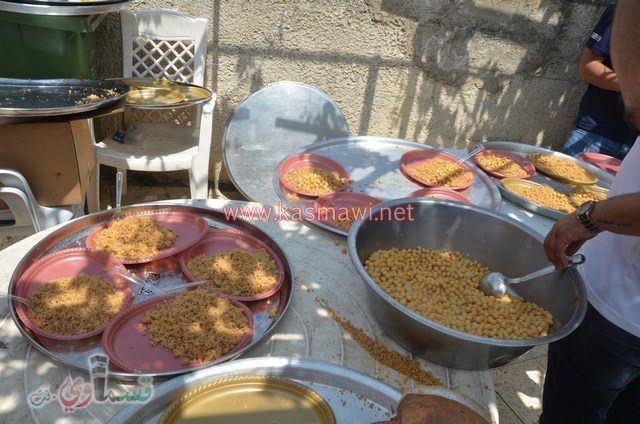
(593, 375)
(581, 141)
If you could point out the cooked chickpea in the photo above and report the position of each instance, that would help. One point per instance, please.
(443, 286)
(559, 166)
(442, 173)
(313, 180)
(585, 196)
(545, 196)
(502, 165)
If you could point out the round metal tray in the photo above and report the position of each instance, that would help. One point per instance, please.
(373, 163)
(354, 397)
(267, 313)
(63, 7)
(270, 124)
(26, 100)
(190, 94)
(604, 178)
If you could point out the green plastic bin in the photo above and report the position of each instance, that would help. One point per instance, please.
(41, 47)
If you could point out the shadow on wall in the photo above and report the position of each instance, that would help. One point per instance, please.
(520, 65)
(475, 69)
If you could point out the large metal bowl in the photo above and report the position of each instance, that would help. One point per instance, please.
(495, 240)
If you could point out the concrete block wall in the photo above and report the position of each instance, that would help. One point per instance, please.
(448, 73)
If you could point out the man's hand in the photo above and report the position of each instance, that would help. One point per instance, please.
(565, 239)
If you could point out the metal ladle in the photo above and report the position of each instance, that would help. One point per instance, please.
(496, 284)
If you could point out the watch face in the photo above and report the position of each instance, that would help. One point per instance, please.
(583, 208)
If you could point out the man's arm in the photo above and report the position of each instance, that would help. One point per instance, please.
(593, 70)
(619, 214)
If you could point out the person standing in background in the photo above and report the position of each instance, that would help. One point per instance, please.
(600, 126)
(593, 374)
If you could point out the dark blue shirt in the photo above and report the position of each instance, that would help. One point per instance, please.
(602, 111)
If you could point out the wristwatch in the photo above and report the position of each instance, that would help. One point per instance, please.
(583, 213)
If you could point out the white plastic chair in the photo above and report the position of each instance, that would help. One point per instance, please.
(18, 219)
(162, 43)
(25, 209)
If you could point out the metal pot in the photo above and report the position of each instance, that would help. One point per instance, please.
(493, 239)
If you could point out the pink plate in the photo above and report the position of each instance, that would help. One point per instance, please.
(219, 240)
(187, 227)
(520, 160)
(440, 193)
(414, 158)
(602, 161)
(340, 203)
(310, 160)
(127, 347)
(67, 263)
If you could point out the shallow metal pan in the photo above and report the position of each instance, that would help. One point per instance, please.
(63, 7)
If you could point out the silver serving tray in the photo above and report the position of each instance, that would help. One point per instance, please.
(63, 7)
(370, 160)
(37, 98)
(270, 124)
(76, 354)
(354, 397)
(604, 178)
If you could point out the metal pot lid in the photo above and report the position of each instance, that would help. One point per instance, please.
(270, 124)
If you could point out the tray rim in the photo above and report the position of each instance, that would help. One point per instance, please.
(66, 233)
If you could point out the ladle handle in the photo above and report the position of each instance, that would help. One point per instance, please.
(14, 297)
(573, 260)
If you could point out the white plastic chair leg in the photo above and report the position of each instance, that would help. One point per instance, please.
(93, 190)
(198, 180)
(18, 203)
